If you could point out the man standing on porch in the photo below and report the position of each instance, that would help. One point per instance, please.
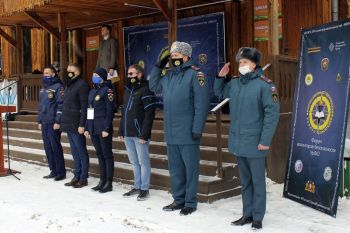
(74, 114)
(49, 120)
(254, 115)
(185, 107)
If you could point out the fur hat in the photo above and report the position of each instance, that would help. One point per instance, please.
(102, 73)
(251, 54)
(181, 47)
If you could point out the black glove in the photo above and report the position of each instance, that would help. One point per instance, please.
(162, 63)
(196, 136)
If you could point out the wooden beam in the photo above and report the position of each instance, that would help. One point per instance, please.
(120, 59)
(42, 23)
(63, 43)
(247, 23)
(19, 50)
(8, 38)
(164, 9)
(172, 24)
(273, 27)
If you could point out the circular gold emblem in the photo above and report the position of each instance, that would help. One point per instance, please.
(97, 98)
(320, 111)
(309, 79)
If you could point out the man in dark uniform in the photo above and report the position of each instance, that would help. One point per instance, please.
(75, 101)
(99, 126)
(186, 104)
(254, 115)
(49, 119)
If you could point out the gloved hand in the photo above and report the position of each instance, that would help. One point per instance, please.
(162, 63)
(196, 136)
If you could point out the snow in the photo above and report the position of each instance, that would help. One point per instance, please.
(36, 205)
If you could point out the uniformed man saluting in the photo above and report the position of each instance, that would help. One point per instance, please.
(186, 104)
(99, 127)
(49, 119)
(254, 115)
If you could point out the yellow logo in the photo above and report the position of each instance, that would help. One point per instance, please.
(320, 111)
(310, 186)
(309, 79)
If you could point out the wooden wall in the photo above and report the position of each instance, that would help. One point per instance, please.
(8, 54)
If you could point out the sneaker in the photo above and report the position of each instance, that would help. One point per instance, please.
(173, 206)
(256, 225)
(132, 192)
(144, 194)
(187, 211)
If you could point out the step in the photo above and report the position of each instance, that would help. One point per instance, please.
(160, 161)
(210, 188)
(210, 127)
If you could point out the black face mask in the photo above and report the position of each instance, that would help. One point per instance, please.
(177, 61)
(71, 75)
(130, 81)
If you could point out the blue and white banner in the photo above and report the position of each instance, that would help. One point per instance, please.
(145, 45)
(319, 117)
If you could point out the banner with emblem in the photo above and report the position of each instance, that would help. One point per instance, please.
(146, 44)
(319, 121)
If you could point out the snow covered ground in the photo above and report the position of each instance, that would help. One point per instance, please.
(36, 205)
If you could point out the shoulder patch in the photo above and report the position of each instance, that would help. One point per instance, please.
(201, 78)
(274, 94)
(266, 79)
(110, 94)
(62, 91)
(196, 68)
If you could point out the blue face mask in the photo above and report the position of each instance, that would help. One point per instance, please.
(96, 79)
(46, 78)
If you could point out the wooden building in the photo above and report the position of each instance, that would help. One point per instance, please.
(35, 33)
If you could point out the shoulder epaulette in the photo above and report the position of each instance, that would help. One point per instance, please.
(234, 77)
(266, 79)
(196, 68)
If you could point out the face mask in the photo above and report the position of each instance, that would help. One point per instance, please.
(177, 61)
(46, 78)
(96, 80)
(71, 75)
(131, 80)
(244, 70)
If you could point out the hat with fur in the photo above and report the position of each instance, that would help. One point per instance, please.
(251, 54)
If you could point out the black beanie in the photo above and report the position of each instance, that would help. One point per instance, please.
(102, 73)
(251, 54)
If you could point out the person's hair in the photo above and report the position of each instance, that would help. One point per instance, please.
(138, 68)
(53, 70)
(76, 65)
(109, 28)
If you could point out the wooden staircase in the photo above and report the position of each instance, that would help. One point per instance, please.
(26, 145)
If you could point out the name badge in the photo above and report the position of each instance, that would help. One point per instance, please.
(90, 113)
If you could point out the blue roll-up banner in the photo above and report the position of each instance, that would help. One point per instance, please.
(146, 44)
(319, 119)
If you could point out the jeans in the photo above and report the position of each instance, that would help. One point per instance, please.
(139, 158)
(81, 158)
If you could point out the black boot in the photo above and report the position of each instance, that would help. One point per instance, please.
(107, 187)
(242, 221)
(100, 185)
(173, 206)
(257, 225)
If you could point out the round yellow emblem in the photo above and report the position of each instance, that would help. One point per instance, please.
(97, 98)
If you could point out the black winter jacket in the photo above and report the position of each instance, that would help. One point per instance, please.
(75, 101)
(139, 111)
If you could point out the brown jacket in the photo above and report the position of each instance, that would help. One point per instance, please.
(107, 54)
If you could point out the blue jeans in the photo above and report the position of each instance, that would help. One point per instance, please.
(139, 158)
(81, 158)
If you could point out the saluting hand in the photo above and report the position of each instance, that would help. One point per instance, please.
(224, 70)
(262, 147)
(105, 134)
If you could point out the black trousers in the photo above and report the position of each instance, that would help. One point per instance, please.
(103, 147)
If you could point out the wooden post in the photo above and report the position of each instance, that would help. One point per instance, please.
(63, 44)
(172, 24)
(120, 60)
(19, 50)
(273, 27)
(247, 23)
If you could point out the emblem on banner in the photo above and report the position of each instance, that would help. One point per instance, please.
(142, 64)
(97, 98)
(327, 174)
(298, 166)
(320, 111)
(310, 187)
(324, 64)
(203, 59)
(309, 79)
